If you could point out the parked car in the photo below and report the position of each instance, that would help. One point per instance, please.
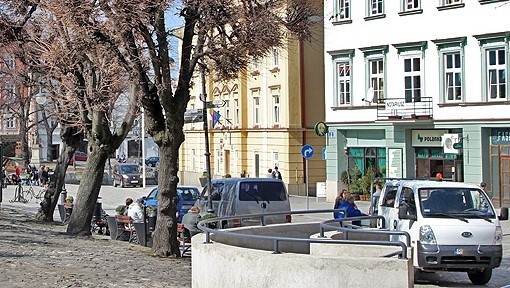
(187, 197)
(453, 226)
(78, 156)
(127, 174)
(152, 161)
(240, 196)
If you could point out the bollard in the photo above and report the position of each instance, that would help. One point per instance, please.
(98, 214)
(63, 196)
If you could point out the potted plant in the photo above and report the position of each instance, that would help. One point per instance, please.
(209, 216)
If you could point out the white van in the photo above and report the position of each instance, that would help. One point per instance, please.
(240, 196)
(453, 226)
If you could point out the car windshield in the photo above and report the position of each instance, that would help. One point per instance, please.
(188, 193)
(262, 191)
(129, 169)
(465, 202)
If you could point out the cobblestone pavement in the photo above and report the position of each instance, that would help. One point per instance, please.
(40, 255)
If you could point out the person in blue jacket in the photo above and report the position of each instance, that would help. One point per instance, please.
(351, 210)
(339, 200)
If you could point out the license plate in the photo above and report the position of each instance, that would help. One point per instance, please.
(458, 251)
(134, 181)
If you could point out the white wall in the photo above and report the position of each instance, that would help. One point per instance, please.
(473, 19)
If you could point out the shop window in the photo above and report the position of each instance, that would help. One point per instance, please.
(363, 158)
(430, 161)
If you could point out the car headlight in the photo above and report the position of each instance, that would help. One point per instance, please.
(125, 176)
(427, 235)
(498, 236)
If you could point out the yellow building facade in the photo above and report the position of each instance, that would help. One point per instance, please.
(269, 114)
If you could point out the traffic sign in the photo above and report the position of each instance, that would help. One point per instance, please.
(307, 151)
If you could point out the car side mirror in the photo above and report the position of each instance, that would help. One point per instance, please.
(402, 213)
(503, 214)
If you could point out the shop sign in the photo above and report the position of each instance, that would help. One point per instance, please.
(395, 162)
(428, 138)
(500, 136)
(394, 104)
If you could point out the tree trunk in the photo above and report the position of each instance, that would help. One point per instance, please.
(57, 181)
(71, 139)
(90, 185)
(165, 235)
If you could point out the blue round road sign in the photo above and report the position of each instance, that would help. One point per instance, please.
(307, 151)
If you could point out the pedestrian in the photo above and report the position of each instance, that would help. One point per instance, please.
(375, 199)
(276, 174)
(190, 221)
(351, 210)
(269, 173)
(18, 173)
(339, 201)
(45, 176)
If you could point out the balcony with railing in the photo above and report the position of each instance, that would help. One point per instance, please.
(394, 109)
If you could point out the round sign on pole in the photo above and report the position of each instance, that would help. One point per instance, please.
(307, 151)
(321, 129)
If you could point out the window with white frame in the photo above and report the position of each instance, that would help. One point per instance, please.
(275, 159)
(375, 7)
(10, 122)
(256, 110)
(496, 73)
(227, 111)
(413, 78)
(236, 112)
(276, 56)
(343, 10)
(193, 160)
(376, 74)
(450, 2)
(276, 109)
(410, 5)
(255, 64)
(343, 76)
(9, 88)
(495, 66)
(452, 65)
(10, 62)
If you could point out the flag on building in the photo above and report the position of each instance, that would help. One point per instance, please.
(215, 118)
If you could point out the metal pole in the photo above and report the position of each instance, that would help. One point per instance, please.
(306, 186)
(143, 148)
(207, 154)
(3, 171)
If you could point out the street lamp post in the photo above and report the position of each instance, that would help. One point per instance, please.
(203, 98)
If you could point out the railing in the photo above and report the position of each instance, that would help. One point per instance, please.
(404, 108)
(203, 225)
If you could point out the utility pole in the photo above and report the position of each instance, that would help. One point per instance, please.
(203, 98)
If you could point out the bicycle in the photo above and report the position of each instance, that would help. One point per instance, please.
(19, 194)
(30, 192)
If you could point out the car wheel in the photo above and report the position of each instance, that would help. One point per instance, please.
(480, 277)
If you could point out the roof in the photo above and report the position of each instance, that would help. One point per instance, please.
(417, 184)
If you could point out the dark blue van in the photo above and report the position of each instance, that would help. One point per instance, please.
(187, 197)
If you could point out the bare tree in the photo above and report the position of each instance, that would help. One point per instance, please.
(84, 81)
(224, 35)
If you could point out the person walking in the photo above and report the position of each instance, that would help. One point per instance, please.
(276, 174)
(269, 173)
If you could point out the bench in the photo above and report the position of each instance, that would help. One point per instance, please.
(125, 227)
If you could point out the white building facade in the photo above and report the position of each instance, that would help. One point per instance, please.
(418, 87)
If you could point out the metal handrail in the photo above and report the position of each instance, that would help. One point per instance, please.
(202, 225)
(348, 229)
